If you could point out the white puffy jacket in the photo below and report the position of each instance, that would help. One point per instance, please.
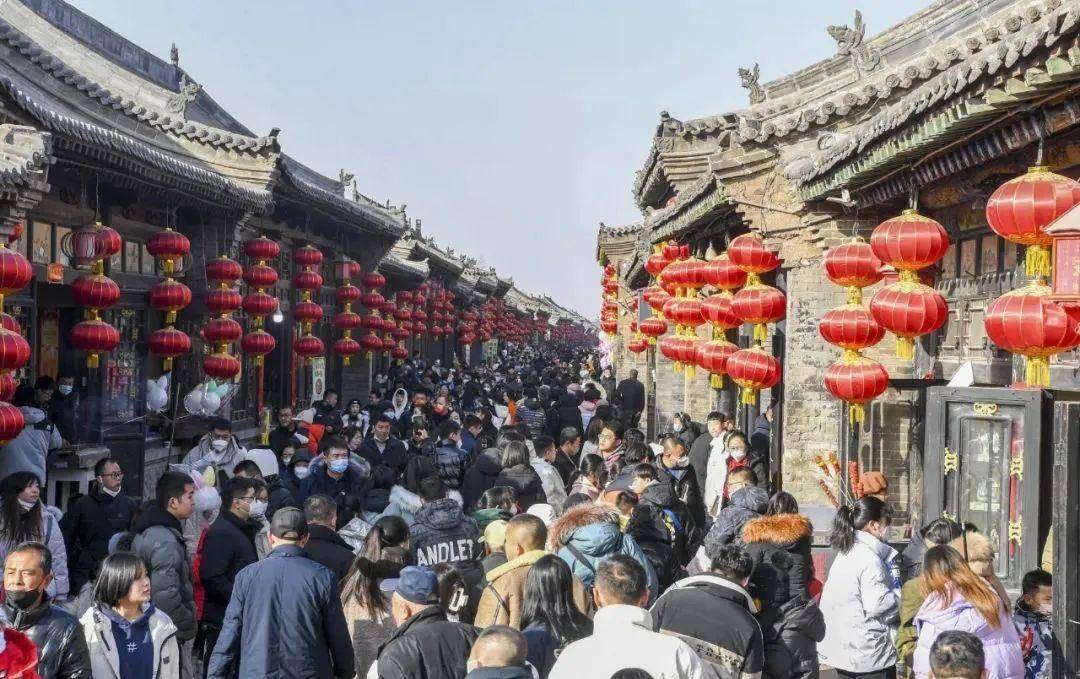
(861, 606)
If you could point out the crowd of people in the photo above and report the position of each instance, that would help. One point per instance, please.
(505, 521)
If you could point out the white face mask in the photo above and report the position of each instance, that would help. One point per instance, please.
(257, 509)
(27, 506)
(738, 453)
(219, 445)
(65, 389)
(301, 472)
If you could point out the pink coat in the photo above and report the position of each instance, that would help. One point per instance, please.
(1001, 646)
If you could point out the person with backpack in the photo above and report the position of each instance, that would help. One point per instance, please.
(658, 523)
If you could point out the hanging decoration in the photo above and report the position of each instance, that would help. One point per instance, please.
(347, 320)
(909, 308)
(222, 299)
(1027, 322)
(609, 314)
(756, 303)
(753, 370)
(94, 291)
(259, 304)
(854, 379)
(306, 311)
(1020, 210)
(15, 274)
(169, 296)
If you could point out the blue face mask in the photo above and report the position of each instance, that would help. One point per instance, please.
(339, 466)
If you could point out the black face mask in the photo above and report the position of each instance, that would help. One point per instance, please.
(23, 599)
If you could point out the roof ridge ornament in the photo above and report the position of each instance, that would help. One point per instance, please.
(850, 43)
(750, 82)
(178, 101)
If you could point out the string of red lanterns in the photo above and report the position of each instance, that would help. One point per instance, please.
(15, 274)
(347, 320)
(754, 369)
(259, 304)
(94, 291)
(169, 296)
(717, 311)
(221, 331)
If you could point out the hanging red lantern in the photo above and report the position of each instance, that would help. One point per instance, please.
(1021, 209)
(221, 366)
(748, 253)
(856, 380)
(712, 356)
(759, 304)
(851, 327)
(637, 345)
(108, 241)
(223, 301)
(347, 294)
(168, 247)
(373, 280)
(8, 322)
(95, 337)
(909, 310)
(308, 313)
(308, 347)
(262, 249)
(399, 353)
(717, 311)
(346, 320)
(306, 281)
(259, 305)
(222, 331)
(8, 386)
(169, 343)
(346, 348)
(170, 296)
(372, 343)
(260, 276)
(388, 343)
(258, 343)
(11, 422)
(224, 270)
(308, 256)
(95, 291)
(753, 370)
(853, 264)
(1027, 322)
(909, 242)
(15, 271)
(14, 351)
(721, 273)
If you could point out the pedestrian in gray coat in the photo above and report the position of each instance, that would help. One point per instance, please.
(27, 451)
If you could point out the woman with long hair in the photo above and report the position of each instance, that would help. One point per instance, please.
(861, 598)
(549, 618)
(367, 608)
(958, 600)
(520, 475)
(589, 478)
(592, 437)
(24, 518)
(454, 599)
(127, 637)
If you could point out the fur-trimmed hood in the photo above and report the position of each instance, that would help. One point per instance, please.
(977, 551)
(578, 517)
(782, 529)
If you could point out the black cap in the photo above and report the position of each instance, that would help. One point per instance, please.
(289, 524)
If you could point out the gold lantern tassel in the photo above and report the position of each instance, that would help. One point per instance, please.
(691, 371)
(854, 295)
(716, 381)
(856, 413)
(749, 396)
(761, 333)
(1037, 371)
(678, 366)
(166, 364)
(258, 361)
(345, 360)
(905, 348)
(1037, 261)
(92, 360)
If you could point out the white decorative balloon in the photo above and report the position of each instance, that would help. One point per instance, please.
(210, 403)
(156, 397)
(193, 401)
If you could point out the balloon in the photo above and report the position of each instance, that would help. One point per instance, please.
(156, 397)
(193, 401)
(210, 403)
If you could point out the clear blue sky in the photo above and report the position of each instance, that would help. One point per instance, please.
(511, 128)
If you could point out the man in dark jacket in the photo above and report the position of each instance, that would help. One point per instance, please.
(480, 476)
(387, 457)
(266, 634)
(327, 412)
(443, 534)
(335, 477)
(630, 397)
(229, 546)
(658, 523)
(63, 406)
(159, 541)
(425, 645)
(450, 460)
(94, 518)
(747, 502)
(569, 414)
(673, 468)
(56, 633)
(285, 431)
(324, 545)
(691, 608)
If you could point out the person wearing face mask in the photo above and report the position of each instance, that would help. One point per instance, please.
(1034, 624)
(861, 598)
(294, 464)
(724, 459)
(229, 546)
(218, 448)
(337, 477)
(673, 468)
(61, 647)
(23, 517)
(387, 457)
(62, 408)
(94, 518)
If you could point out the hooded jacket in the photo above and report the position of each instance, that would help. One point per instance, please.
(504, 594)
(593, 532)
(451, 463)
(203, 455)
(791, 623)
(102, 644)
(443, 534)
(56, 634)
(658, 524)
(523, 479)
(480, 476)
(159, 541)
(353, 487)
(386, 470)
(27, 451)
(860, 603)
(683, 482)
(746, 503)
(405, 503)
(690, 611)
(1001, 646)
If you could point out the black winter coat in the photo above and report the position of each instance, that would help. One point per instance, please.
(686, 489)
(280, 496)
(746, 504)
(569, 415)
(427, 646)
(326, 547)
(302, 635)
(351, 488)
(386, 470)
(229, 547)
(524, 479)
(630, 396)
(280, 437)
(480, 477)
(791, 623)
(451, 462)
(443, 534)
(658, 523)
(58, 637)
(87, 527)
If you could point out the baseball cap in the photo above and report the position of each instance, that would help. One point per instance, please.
(289, 524)
(415, 584)
(495, 534)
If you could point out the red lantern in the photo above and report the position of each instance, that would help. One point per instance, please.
(346, 320)
(637, 345)
(853, 264)
(8, 385)
(222, 331)
(748, 253)
(759, 304)
(95, 337)
(168, 247)
(1029, 323)
(712, 356)
(223, 270)
(108, 241)
(15, 271)
(399, 353)
(8, 322)
(11, 422)
(856, 380)
(14, 351)
(258, 344)
(717, 311)
(372, 300)
(346, 347)
(262, 249)
(260, 305)
(309, 346)
(388, 343)
(753, 370)
(909, 242)
(170, 296)
(95, 291)
(721, 273)
(307, 313)
(347, 294)
(260, 276)
(169, 343)
(1021, 209)
(306, 281)
(308, 256)
(223, 301)
(909, 310)
(373, 280)
(372, 343)
(221, 366)
(851, 327)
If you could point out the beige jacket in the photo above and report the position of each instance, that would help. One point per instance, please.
(504, 594)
